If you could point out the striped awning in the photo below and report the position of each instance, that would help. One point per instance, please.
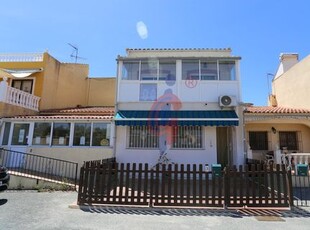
(181, 118)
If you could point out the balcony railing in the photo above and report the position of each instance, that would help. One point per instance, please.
(18, 97)
(22, 57)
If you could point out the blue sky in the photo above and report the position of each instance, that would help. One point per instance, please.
(256, 30)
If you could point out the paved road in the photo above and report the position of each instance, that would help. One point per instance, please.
(32, 210)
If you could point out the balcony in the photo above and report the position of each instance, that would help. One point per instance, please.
(18, 97)
(22, 57)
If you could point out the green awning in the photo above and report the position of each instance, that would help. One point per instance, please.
(181, 118)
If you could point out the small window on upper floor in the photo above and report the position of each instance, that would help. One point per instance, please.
(148, 92)
(227, 70)
(24, 85)
(149, 70)
(190, 70)
(130, 70)
(208, 70)
(167, 71)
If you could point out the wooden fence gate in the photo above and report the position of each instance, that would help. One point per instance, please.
(184, 185)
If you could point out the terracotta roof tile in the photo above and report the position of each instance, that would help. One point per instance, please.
(78, 113)
(64, 117)
(104, 110)
(275, 110)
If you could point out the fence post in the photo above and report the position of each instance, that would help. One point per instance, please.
(290, 187)
(226, 175)
(81, 195)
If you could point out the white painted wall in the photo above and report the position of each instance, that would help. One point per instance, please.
(204, 90)
(181, 156)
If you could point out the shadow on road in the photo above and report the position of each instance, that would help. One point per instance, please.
(295, 212)
(3, 201)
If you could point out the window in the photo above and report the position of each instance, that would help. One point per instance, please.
(130, 70)
(101, 134)
(227, 70)
(81, 135)
(149, 70)
(148, 92)
(289, 140)
(188, 137)
(143, 137)
(20, 134)
(24, 85)
(6, 133)
(167, 71)
(190, 70)
(208, 70)
(258, 140)
(61, 134)
(41, 133)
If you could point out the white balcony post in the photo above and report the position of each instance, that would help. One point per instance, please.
(18, 97)
(3, 89)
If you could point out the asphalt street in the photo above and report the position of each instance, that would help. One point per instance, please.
(50, 210)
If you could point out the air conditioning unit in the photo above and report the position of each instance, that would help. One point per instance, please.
(227, 101)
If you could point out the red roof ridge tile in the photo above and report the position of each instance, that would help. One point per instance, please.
(276, 110)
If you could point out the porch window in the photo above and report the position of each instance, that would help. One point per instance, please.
(289, 140)
(258, 140)
(187, 137)
(81, 135)
(143, 137)
(20, 134)
(6, 133)
(61, 134)
(101, 134)
(41, 133)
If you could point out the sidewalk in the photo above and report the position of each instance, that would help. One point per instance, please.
(33, 210)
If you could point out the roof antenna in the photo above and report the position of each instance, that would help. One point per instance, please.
(75, 52)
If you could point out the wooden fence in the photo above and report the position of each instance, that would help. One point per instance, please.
(184, 185)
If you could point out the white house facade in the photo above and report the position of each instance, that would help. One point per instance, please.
(184, 103)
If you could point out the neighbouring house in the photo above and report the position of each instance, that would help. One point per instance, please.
(54, 109)
(282, 127)
(290, 85)
(183, 103)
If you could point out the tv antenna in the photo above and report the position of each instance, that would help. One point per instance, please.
(75, 52)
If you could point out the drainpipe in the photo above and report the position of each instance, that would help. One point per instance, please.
(245, 147)
(116, 108)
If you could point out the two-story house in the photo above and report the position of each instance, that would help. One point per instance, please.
(53, 109)
(184, 103)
